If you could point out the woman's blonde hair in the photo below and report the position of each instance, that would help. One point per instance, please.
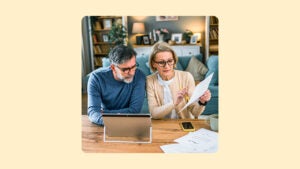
(161, 47)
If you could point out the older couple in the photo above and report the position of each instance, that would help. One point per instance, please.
(120, 88)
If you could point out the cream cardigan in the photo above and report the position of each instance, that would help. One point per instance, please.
(155, 96)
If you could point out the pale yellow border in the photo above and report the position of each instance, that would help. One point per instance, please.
(41, 96)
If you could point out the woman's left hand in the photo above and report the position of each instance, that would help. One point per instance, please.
(205, 97)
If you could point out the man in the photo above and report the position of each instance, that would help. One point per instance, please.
(119, 88)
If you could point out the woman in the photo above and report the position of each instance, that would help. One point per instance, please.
(168, 89)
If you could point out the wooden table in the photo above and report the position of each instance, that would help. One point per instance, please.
(163, 132)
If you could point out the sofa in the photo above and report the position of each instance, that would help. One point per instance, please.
(184, 64)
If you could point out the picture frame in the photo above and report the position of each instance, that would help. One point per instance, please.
(105, 38)
(194, 39)
(177, 37)
(146, 40)
(166, 18)
(107, 23)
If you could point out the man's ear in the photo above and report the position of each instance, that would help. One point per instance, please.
(112, 66)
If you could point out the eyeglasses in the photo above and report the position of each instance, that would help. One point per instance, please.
(163, 63)
(128, 69)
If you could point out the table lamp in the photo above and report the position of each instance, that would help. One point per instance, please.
(199, 36)
(138, 28)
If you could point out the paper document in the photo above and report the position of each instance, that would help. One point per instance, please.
(200, 141)
(199, 91)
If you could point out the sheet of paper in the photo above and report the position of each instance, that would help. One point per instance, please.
(200, 141)
(187, 148)
(201, 136)
(199, 91)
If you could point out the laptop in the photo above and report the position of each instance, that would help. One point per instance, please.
(130, 128)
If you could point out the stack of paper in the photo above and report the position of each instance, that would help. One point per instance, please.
(200, 141)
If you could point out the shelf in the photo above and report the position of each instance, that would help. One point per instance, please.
(101, 54)
(102, 43)
(100, 29)
(214, 25)
(110, 17)
(213, 35)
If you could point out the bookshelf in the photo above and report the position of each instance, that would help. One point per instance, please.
(100, 42)
(212, 36)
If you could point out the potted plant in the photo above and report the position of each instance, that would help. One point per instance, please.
(187, 35)
(118, 33)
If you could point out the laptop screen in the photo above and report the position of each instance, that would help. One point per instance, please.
(127, 127)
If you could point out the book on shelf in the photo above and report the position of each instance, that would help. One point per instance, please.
(105, 48)
(95, 40)
(98, 61)
(97, 25)
(98, 37)
(97, 49)
(214, 20)
(214, 48)
(214, 34)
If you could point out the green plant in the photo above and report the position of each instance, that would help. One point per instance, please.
(187, 35)
(117, 34)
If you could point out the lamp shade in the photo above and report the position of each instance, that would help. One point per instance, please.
(198, 35)
(138, 27)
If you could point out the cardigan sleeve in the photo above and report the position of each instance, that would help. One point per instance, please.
(157, 110)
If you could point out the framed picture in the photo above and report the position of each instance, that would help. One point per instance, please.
(177, 37)
(194, 39)
(107, 23)
(166, 18)
(146, 40)
(105, 38)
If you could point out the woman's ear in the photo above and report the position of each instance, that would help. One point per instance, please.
(154, 66)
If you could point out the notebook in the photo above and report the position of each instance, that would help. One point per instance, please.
(130, 128)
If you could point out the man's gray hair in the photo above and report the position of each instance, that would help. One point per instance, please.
(120, 54)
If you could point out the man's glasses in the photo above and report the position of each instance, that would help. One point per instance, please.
(163, 63)
(128, 69)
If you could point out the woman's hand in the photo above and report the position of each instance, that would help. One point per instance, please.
(183, 93)
(205, 97)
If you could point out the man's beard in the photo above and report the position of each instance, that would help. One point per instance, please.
(124, 79)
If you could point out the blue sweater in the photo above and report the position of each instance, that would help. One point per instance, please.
(104, 92)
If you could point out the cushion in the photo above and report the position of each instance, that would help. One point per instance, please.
(142, 60)
(197, 69)
(178, 66)
(105, 62)
(184, 60)
(147, 64)
(213, 66)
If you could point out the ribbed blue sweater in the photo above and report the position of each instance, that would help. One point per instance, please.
(104, 92)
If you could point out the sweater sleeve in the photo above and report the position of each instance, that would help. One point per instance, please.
(94, 101)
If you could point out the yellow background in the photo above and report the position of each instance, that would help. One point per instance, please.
(40, 123)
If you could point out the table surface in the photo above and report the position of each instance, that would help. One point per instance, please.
(163, 132)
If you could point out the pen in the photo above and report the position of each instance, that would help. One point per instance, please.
(187, 98)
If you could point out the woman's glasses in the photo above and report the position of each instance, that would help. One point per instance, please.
(163, 63)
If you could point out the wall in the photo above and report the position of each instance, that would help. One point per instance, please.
(193, 23)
